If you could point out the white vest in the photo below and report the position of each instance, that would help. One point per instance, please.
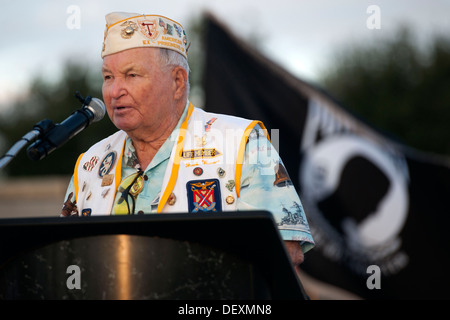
(203, 172)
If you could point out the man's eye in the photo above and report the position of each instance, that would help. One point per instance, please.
(106, 78)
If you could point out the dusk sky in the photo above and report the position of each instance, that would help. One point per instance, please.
(301, 36)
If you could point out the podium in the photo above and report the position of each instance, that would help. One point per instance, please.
(232, 256)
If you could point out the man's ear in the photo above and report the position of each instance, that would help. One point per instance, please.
(181, 81)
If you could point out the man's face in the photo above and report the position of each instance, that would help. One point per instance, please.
(138, 93)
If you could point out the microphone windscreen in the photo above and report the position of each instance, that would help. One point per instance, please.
(97, 107)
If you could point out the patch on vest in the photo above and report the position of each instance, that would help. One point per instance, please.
(107, 164)
(204, 196)
(200, 153)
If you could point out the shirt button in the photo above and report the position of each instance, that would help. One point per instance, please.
(140, 212)
(145, 177)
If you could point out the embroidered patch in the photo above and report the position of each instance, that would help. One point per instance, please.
(107, 164)
(148, 28)
(86, 212)
(204, 196)
(200, 153)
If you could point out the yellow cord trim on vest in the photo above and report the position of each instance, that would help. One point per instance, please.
(75, 175)
(176, 162)
(241, 151)
(118, 170)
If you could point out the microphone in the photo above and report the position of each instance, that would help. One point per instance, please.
(92, 111)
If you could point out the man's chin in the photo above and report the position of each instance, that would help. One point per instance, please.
(127, 127)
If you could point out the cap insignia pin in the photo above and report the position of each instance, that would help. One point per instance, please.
(129, 29)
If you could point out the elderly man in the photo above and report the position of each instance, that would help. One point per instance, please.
(169, 156)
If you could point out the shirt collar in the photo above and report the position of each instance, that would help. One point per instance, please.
(130, 158)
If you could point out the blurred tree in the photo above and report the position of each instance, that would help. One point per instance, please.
(54, 101)
(398, 88)
(196, 57)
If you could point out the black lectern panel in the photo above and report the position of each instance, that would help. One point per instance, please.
(171, 256)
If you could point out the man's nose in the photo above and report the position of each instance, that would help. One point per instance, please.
(118, 88)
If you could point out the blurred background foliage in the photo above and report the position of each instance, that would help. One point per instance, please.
(54, 100)
(397, 87)
(392, 84)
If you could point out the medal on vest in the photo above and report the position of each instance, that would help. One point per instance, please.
(230, 185)
(198, 171)
(172, 199)
(221, 173)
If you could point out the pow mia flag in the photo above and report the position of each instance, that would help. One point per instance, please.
(370, 201)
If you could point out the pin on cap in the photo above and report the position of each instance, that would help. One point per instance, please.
(133, 30)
